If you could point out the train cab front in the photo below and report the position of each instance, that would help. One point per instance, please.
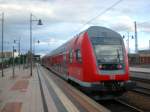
(112, 65)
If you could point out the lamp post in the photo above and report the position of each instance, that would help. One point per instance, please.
(7, 44)
(136, 38)
(149, 44)
(14, 50)
(128, 41)
(2, 54)
(13, 63)
(39, 23)
(35, 41)
(18, 50)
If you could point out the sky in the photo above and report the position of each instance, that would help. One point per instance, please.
(63, 19)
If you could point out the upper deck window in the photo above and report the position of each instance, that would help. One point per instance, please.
(105, 40)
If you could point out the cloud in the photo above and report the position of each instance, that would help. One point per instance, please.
(64, 19)
(144, 26)
(123, 23)
(50, 41)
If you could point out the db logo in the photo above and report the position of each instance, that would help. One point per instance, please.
(112, 77)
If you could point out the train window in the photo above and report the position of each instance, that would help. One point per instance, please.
(109, 53)
(78, 55)
(104, 40)
(70, 56)
(64, 57)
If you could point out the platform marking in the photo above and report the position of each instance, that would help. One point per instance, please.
(12, 107)
(42, 93)
(88, 100)
(21, 85)
(63, 98)
(49, 100)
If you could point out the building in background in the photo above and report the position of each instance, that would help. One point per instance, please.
(8, 55)
(142, 57)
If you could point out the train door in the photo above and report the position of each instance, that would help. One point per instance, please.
(65, 63)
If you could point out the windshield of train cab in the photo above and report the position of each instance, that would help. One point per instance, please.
(108, 50)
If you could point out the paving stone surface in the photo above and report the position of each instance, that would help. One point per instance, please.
(20, 93)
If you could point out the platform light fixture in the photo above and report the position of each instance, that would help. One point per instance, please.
(128, 40)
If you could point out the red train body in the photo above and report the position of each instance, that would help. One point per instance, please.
(95, 59)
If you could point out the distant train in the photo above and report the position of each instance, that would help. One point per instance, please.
(95, 59)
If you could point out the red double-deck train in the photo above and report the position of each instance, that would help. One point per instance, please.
(95, 59)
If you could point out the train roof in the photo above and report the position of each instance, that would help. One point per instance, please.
(98, 31)
(93, 31)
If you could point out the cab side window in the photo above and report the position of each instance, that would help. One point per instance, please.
(78, 55)
(64, 57)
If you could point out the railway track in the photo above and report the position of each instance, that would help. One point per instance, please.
(138, 79)
(117, 105)
(143, 86)
(143, 91)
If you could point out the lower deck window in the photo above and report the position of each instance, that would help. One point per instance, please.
(78, 55)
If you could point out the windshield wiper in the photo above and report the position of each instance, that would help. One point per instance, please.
(118, 55)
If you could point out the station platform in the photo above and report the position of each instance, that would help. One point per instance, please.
(138, 69)
(42, 92)
(137, 72)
